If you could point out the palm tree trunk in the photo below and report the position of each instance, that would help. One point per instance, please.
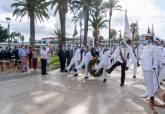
(62, 12)
(110, 16)
(96, 36)
(62, 21)
(32, 29)
(86, 19)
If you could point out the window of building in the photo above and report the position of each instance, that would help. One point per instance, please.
(44, 42)
(51, 42)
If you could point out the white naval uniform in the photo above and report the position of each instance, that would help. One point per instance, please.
(75, 59)
(125, 51)
(101, 52)
(136, 57)
(149, 61)
(85, 61)
(104, 63)
(123, 55)
(162, 72)
(159, 56)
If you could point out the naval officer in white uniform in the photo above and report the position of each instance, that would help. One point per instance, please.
(104, 63)
(75, 60)
(149, 63)
(85, 61)
(123, 55)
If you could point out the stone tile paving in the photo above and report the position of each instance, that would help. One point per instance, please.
(59, 93)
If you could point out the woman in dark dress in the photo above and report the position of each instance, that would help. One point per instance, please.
(35, 59)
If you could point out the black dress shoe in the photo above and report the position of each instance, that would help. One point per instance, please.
(121, 85)
(134, 76)
(43, 74)
(76, 75)
(105, 80)
(75, 70)
(86, 77)
(107, 71)
(161, 83)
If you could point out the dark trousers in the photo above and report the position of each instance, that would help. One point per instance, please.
(30, 63)
(68, 61)
(123, 68)
(62, 65)
(43, 66)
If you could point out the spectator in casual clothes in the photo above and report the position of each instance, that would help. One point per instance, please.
(16, 56)
(30, 55)
(6, 54)
(15, 53)
(23, 57)
(44, 57)
(1, 53)
(35, 59)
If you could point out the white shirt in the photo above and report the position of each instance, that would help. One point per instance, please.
(105, 58)
(77, 54)
(160, 55)
(44, 54)
(88, 56)
(125, 51)
(149, 58)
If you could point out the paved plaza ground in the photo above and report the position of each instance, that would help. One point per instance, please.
(59, 93)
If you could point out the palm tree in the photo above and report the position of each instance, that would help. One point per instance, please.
(85, 6)
(111, 5)
(61, 6)
(35, 9)
(78, 18)
(57, 33)
(98, 22)
(4, 35)
(22, 38)
(12, 36)
(134, 30)
(113, 34)
(101, 38)
(15, 36)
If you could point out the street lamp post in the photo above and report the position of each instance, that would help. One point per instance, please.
(8, 25)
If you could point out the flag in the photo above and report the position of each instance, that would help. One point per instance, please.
(127, 31)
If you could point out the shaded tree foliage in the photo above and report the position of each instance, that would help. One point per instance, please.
(3, 34)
